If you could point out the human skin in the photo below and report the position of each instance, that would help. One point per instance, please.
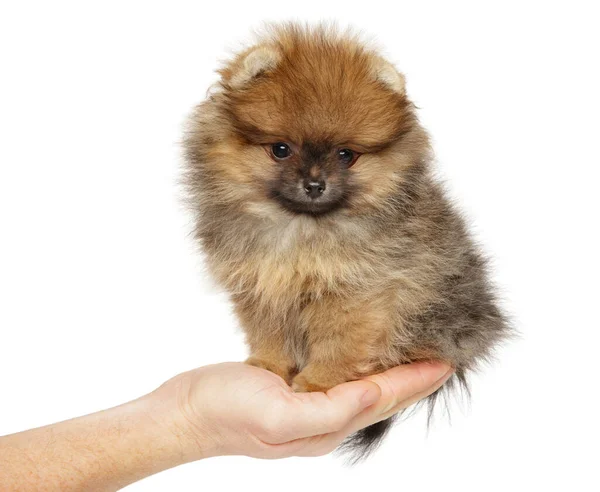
(216, 410)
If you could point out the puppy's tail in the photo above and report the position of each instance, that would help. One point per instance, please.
(361, 444)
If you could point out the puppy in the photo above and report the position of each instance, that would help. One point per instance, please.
(310, 178)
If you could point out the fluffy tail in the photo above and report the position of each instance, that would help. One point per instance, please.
(361, 444)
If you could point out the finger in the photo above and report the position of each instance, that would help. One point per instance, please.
(415, 398)
(312, 414)
(396, 395)
(401, 387)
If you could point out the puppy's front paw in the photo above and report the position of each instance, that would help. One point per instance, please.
(301, 384)
(315, 379)
(282, 369)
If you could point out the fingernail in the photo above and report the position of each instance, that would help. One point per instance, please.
(370, 396)
(438, 369)
(447, 375)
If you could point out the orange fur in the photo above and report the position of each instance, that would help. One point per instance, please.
(388, 273)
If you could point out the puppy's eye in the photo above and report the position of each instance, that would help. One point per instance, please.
(347, 157)
(281, 150)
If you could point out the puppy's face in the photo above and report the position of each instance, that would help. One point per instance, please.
(317, 124)
(312, 177)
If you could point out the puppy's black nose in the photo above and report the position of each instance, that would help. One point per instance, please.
(314, 189)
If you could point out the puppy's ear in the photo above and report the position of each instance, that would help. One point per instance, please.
(251, 64)
(387, 74)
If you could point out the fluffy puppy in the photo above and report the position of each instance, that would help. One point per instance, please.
(309, 174)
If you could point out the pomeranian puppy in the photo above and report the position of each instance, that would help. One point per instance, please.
(310, 178)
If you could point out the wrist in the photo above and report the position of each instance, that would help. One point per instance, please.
(138, 441)
(189, 435)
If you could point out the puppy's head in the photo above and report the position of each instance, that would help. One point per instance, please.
(312, 121)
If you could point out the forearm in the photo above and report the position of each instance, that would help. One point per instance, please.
(102, 451)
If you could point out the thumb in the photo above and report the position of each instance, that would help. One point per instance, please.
(355, 396)
(322, 413)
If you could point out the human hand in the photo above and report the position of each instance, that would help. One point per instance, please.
(237, 409)
(222, 409)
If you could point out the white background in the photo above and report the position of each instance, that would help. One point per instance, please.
(101, 294)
